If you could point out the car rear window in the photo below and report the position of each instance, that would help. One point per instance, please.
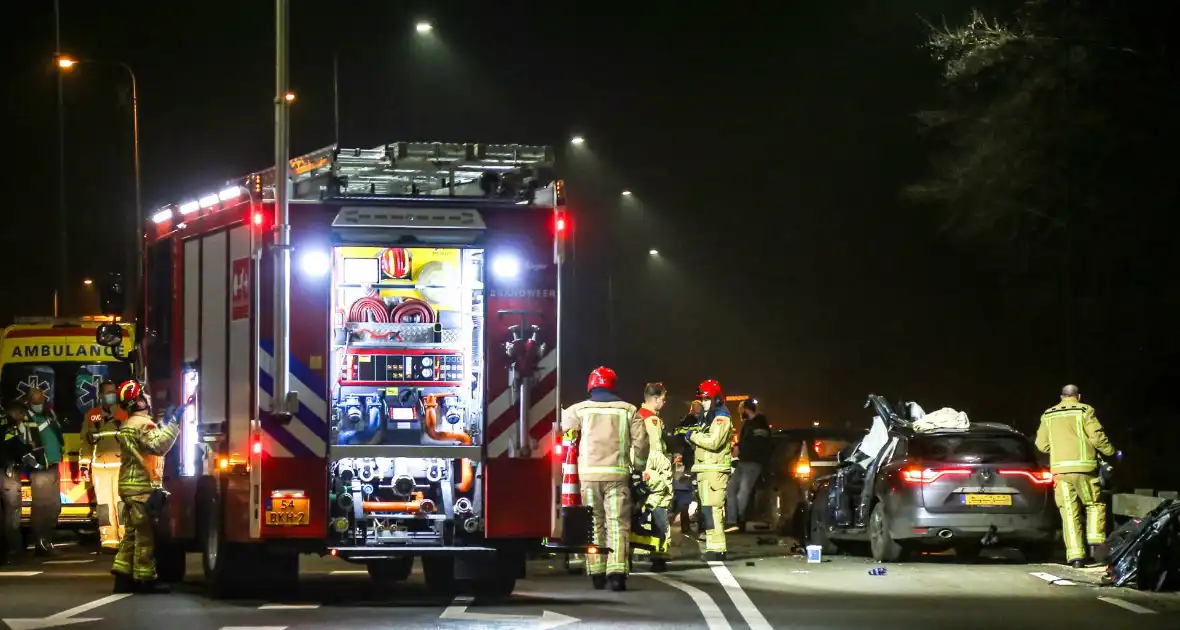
(974, 449)
(827, 449)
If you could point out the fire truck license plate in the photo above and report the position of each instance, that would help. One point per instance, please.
(287, 512)
(26, 493)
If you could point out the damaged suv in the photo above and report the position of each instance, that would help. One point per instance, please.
(936, 482)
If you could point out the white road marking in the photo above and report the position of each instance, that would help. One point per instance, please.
(254, 628)
(77, 610)
(714, 618)
(741, 601)
(20, 573)
(67, 561)
(65, 617)
(548, 619)
(349, 572)
(1053, 579)
(1122, 603)
(288, 606)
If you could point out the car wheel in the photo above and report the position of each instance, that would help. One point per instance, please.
(817, 531)
(884, 548)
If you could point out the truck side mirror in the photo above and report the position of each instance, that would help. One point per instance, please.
(111, 295)
(109, 335)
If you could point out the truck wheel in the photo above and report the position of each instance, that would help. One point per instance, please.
(393, 570)
(501, 578)
(439, 573)
(884, 548)
(230, 570)
(170, 561)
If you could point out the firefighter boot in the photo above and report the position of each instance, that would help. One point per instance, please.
(618, 582)
(599, 581)
(1077, 563)
(659, 565)
(713, 556)
(44, 548)
(123, 583)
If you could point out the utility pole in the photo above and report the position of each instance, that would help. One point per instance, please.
(282, 296)
(336, 98)
(63, 239)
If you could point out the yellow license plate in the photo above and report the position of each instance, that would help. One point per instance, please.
(288, 512)
(26, 493)
(987, 499)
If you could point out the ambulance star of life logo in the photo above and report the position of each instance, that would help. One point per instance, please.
(86, 392)
(29, 384)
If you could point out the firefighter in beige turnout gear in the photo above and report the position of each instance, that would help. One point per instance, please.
(657, 476)
(100, 458)
(144, 445)
(713, 463)
(1072, 436)
(612, 444)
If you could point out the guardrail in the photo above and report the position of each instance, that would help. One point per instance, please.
(1140, 502)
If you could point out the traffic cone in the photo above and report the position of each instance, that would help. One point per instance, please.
(571, 487)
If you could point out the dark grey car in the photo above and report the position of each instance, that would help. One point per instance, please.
(961, 489)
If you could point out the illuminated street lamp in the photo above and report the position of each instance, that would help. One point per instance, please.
(87, 282)
(815, 424)
(66, 64)
(289, 97)
(577, 141)
(423, 28)
(626, 193)
(653, 252)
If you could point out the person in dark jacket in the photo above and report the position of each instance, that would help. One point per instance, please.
(13, 447)
(683, 485)
(753, 452)
(48, 443)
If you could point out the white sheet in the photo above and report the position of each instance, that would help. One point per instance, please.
(945, 418)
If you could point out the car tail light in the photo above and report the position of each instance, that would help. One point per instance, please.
(1039, 477)
(929, 475)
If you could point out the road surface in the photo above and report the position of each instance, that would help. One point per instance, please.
(757, 593)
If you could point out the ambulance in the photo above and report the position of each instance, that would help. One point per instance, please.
(60, 357)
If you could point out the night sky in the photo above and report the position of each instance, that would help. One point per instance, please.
(766, 152)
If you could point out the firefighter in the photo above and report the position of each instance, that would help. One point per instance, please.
(1072, 436)
(48, 444)
(98, 432)
(143, 446)
(657, 476)
(13, 447)
(612, 444)
(712, 465)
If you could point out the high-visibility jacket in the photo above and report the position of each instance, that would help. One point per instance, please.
(1072, 436)
(98, 423)
(144, 446)
(714, 443)
(612, 439)
(658, 473)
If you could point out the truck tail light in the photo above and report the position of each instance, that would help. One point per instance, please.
(256, 445)
(930, 475)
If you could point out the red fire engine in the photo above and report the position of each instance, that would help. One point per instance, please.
(421, 380)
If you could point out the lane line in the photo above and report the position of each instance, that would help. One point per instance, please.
(349, 572)
(741, 601)
(1053, 579)
(288, 606)
(67, 561)
(20, 573)
(714, 618)
(1131, 606)
(77, 610)
(254, 628)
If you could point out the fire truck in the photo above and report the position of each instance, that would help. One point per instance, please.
(409, 413)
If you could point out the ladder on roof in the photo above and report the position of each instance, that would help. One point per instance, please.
(520, 173)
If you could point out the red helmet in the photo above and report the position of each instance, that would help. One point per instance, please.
(709, 390)
(129, 393)
(602, 377)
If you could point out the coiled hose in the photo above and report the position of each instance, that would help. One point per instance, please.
(368, 309)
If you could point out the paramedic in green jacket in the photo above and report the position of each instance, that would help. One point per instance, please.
(46, 439)
(1072, 436)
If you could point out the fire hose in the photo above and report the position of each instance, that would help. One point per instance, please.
(368, 307)
(412, 311)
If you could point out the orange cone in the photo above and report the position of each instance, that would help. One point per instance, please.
(571, 487)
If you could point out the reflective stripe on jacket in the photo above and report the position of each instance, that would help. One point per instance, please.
(1072, 436)
(143, 448)
(613, 440)
(714, 447)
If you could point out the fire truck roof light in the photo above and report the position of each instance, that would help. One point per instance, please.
(162, 216)
(506, 266)
(230, 193)
(315, 263)
(208, 201)
(189, 207)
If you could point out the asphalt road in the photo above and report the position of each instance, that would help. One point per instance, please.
(749, 592)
